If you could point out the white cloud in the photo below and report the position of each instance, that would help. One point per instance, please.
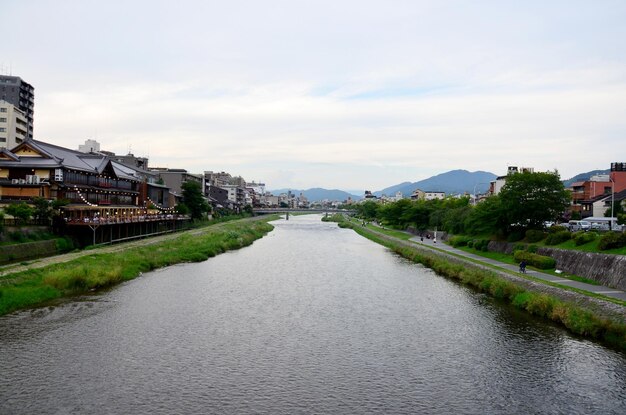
(333, 94)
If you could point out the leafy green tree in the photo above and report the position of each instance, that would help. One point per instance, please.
(42, 209)
(368, 210)
(454, 219)
(1, 221)
(417, 215)
(392, 213)
(20, 211)
(486, 218)
(530, 199)
(193, 199)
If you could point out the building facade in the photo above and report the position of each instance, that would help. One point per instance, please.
(22, 95)
(13, 125)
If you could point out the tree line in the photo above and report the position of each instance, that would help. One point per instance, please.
(526, 201)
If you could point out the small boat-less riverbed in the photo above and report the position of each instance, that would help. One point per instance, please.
(309, 319)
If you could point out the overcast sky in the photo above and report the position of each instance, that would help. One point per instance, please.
(336, 94)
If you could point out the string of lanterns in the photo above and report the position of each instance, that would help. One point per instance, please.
(161, 208)
(82, 197)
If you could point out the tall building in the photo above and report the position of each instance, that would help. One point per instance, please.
(13, 125)
(22, 95)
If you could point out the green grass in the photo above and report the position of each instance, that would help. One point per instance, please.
(38, 286)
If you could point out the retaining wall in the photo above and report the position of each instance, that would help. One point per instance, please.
(27, 250)
(609, 270)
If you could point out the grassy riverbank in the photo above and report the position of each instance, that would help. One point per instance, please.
(577, 319)
(39, 286)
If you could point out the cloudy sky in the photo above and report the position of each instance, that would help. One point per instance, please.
(337, 94)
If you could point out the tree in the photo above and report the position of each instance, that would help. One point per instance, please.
(486, 218)
(20, 211)
(530, 199)
(42, 211)
(368, 210)
(193, 199)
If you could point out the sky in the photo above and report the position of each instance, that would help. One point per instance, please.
(348, 94)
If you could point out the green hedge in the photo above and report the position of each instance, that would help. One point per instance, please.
(556, 229)
(612, 240)
(581, 237)
(558, 237)
(481, 244)
(537, 261)
(457, 241)
(533, 235)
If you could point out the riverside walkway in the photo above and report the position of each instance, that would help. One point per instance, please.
(596, 289)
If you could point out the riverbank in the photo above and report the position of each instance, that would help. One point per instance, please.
(99, 268)
(580, 314)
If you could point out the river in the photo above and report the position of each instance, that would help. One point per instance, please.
(309, 319)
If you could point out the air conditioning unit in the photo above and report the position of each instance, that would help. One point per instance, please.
(14, 181)
(35, 179)
(29, 179)
(22, 181)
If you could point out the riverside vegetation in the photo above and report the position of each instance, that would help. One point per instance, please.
(576, 318)
(36, 287)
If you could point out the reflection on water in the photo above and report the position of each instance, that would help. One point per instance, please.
(310, 319)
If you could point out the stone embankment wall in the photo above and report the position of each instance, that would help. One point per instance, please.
(28, 250)
(609, 270)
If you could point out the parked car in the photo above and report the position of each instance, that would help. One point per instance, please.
(579, 225)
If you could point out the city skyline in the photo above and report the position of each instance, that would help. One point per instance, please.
(356, 95)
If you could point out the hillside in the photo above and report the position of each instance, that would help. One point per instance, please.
(583, 176)
(452, 182)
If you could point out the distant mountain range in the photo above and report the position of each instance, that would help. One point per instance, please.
(452, 182)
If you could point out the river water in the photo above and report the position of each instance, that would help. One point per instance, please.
(309, 319)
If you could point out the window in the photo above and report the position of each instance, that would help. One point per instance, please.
(3, 120)
(3, 130)
(3, 110)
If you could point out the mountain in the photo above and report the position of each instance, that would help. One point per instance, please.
(452, 182)
(584, 176)
(316, 194)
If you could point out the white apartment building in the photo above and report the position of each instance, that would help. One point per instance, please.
(13, 125)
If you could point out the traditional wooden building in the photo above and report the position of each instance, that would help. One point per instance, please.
(98, 190)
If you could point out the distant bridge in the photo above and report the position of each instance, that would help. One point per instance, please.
(292, 210)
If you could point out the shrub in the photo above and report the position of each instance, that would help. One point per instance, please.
(519, 247)
(532, 249)
(481, 244)
(470, 243)
(581, 238)
(515, 236)
(557, 229)
(612, 240)
(457, 241)
(559, 237)
(533, 235)
(537, 261)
